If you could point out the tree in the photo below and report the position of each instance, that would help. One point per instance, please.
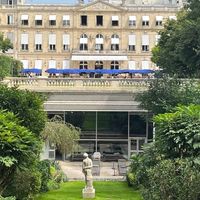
(19, 148)
(64, 135)
(178, 132)
(8, 65)
(27, 105)
(178, 49)
(165, 93)
(5, 44)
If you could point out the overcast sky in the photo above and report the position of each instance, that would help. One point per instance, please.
(52, 1)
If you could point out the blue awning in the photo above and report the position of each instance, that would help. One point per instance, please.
(31, 70)
(53, 71)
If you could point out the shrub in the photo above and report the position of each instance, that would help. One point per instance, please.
(44, 169)
(169, 180)
(7, 198)
(25, 184)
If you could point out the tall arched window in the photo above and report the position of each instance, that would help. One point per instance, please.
(99, 42)
(83, 42)
(83, 65)
(114, 42)
(98, 65)
(114, 65)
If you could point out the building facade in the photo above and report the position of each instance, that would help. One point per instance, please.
(100, 34)
(109, 34)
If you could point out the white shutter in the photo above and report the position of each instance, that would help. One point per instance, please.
(38, 17)
(132, 18)
(38, 64)
(99, 40)
(24, 17)
(159, 18)
(52, 38)
(10, 36)
(52, 64)
(115, 18)
(173, 17)
(114, 40)
(52, 17)
(131, 39)
(66, 39)
(145, 39)
(25, 64)
(145, 18)
(65, 64)
(24, 38)
(66, 17)
(145, 64)
(83, 40)
(157, 37)
(131, 65)
(38, 38)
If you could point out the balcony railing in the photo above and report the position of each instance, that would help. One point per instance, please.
(43, 84)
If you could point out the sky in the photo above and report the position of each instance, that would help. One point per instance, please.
(52, 1)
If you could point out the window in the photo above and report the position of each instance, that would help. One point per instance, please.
(52, 20)
(10, 19)
(24, 20)
(159, 20)
(83, 20)
(145, 20)
(83, 42)
(52, 64)
(157, 38)
(99, 20)
(25, 64)
(10, 2)
(132, 20)
(131, 42)
(38, 64)
(38, 42)
(115, 21)
(145, 42)
(66, 64)
(145, 64)
(52, 42)
(66, 20)
(172, 18)
(99, 42)
(131, 65)
(10, 36)
(65, 42)
(98, 65)
(38, 20)
(114, 65)
(114, 42)
(83, 65)
(24, 42)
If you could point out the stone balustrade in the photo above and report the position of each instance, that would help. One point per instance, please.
(77, 83)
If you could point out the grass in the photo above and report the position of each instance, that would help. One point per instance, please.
(105, 190)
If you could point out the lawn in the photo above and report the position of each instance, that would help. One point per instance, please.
(105, 190)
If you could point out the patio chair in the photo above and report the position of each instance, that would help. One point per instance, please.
(122, 167)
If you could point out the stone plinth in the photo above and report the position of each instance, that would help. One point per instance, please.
(88, 193)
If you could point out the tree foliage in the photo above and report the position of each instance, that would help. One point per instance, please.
(178, 133)
(178, 50)
(64, 135)
(18, 147)
(5, 43)
(165, 93)
(8, 65)
(27, 105)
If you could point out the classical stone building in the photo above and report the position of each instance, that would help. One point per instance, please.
(108, 34)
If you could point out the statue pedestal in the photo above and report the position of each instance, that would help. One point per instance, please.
(88, 193)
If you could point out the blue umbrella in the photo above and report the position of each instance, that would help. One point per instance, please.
(53, 71)
(32, 70)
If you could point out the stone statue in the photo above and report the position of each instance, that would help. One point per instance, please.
(88, 191)
(87, 170)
